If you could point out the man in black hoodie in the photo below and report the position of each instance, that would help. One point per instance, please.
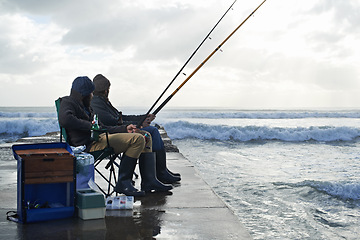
(76, 115)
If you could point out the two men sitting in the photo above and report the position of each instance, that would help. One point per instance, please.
(76, 115)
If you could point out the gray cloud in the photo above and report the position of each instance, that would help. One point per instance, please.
(346, 13)
(16, 61)
(15, 55)
(157, 33)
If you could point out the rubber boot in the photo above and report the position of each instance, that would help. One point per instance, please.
(162, 172)
(174, 174)
(126, 171)
(149, 182)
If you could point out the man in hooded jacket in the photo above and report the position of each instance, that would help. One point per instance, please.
(76, 115)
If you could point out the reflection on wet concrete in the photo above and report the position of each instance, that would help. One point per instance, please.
(143, 222)
(66, 229)
(141, 226)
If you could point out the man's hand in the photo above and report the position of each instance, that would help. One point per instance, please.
(132, 129)
(148, 120)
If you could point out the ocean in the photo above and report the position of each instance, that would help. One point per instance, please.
(286, 174)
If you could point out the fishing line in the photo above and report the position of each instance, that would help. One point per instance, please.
(181, 69)
(202, 64)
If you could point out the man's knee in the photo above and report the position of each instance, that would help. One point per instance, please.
(138, 139)
(136, 145)
(151, 129)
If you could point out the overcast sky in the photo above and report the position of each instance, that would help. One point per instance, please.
(290, 54)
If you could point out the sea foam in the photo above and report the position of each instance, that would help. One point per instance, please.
(183, 129)
(344, 191)
(274, 114)
(11, 129)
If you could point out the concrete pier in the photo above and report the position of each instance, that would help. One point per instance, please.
(191, 211)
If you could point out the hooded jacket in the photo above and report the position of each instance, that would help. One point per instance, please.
(109, 115)
(76, 119)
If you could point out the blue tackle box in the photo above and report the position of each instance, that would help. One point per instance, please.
(46, 181)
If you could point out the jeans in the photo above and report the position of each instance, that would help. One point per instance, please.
(157, 142)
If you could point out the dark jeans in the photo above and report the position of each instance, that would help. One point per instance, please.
(157, 142)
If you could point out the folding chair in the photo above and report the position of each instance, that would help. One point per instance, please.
(99, 156)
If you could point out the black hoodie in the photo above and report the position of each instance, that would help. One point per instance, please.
(109, 115)
(76, 119)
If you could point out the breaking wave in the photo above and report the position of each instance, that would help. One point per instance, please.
(183, 130)
(344, 191)
(27, 115)
(274, 114)
(12, 129)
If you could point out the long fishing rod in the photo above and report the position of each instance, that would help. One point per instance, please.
(162, 94)
(202, 64)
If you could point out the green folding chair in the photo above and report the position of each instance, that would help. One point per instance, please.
(99, 156)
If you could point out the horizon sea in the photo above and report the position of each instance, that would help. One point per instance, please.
(286, 174)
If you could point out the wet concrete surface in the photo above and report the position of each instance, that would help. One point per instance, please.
(191, 211)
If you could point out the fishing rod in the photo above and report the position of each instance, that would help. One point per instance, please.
(191, 56)
(202, 64)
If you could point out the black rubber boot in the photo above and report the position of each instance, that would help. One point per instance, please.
(126, 171)
(174, 174)
(162, 172)
(149, 182)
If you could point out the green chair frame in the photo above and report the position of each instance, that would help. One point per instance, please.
(100, 155)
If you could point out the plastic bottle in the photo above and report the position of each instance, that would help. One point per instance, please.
(94, 128)
(95, 123)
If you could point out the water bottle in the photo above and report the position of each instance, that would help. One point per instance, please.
(94, 127)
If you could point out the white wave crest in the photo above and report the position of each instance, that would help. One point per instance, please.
(345, 191)
(182, 130)
(27, 115)
(27, 127)
(265, 114)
